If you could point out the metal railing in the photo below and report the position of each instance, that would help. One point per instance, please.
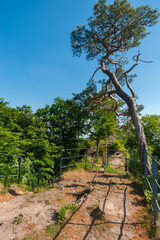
(63, 157)
(153, 185)
(150, 175)
(19, 167)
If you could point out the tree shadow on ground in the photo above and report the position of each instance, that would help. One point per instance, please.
(75, 185)
(137, 188)
(97, 213)
(94, 171)
(124, 215)
(138, 202)
(135, 191)
(62, 227)
(113, 183)
(119, 175)
(13, 192)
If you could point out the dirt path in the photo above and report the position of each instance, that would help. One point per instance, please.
(110, 210)
(117, 160)
(119, 203)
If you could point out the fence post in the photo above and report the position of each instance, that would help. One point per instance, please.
(92, 160)
(155, 188)
(38, 176)
(60, 171)
(106, 163)
(134, 163)
(146, 169)
(96, 155)
(86, 159)
(19, 169)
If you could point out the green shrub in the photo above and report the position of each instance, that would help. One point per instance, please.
(62, 213)
(116, 145)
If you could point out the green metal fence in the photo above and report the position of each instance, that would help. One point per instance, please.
(20, 168)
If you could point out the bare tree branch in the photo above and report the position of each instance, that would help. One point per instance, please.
(129, 86)
(103, 60)
(115, 63)
(103, 42)
(104, 94)
(135, 58)
(92, 98)
(111, 92)
(116, 107)
(113, 110)
(145, 61)
(137, 62)
(95, 72)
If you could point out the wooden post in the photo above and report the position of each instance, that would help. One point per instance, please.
(19, 169)
(134, 163)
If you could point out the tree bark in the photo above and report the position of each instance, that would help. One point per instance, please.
(140, 135)
(130, 101)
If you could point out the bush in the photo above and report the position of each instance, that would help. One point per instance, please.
(116, 145)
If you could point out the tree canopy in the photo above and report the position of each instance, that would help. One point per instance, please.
(114, 27)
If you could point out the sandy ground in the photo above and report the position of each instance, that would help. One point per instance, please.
(117, 160)
(112, 196)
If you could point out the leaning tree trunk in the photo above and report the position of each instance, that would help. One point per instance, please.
(140, 135)
(133, 113)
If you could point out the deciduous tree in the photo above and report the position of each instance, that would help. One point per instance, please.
(151, 124)
(64, 121)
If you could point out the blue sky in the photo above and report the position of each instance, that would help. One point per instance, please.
(36, 62)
